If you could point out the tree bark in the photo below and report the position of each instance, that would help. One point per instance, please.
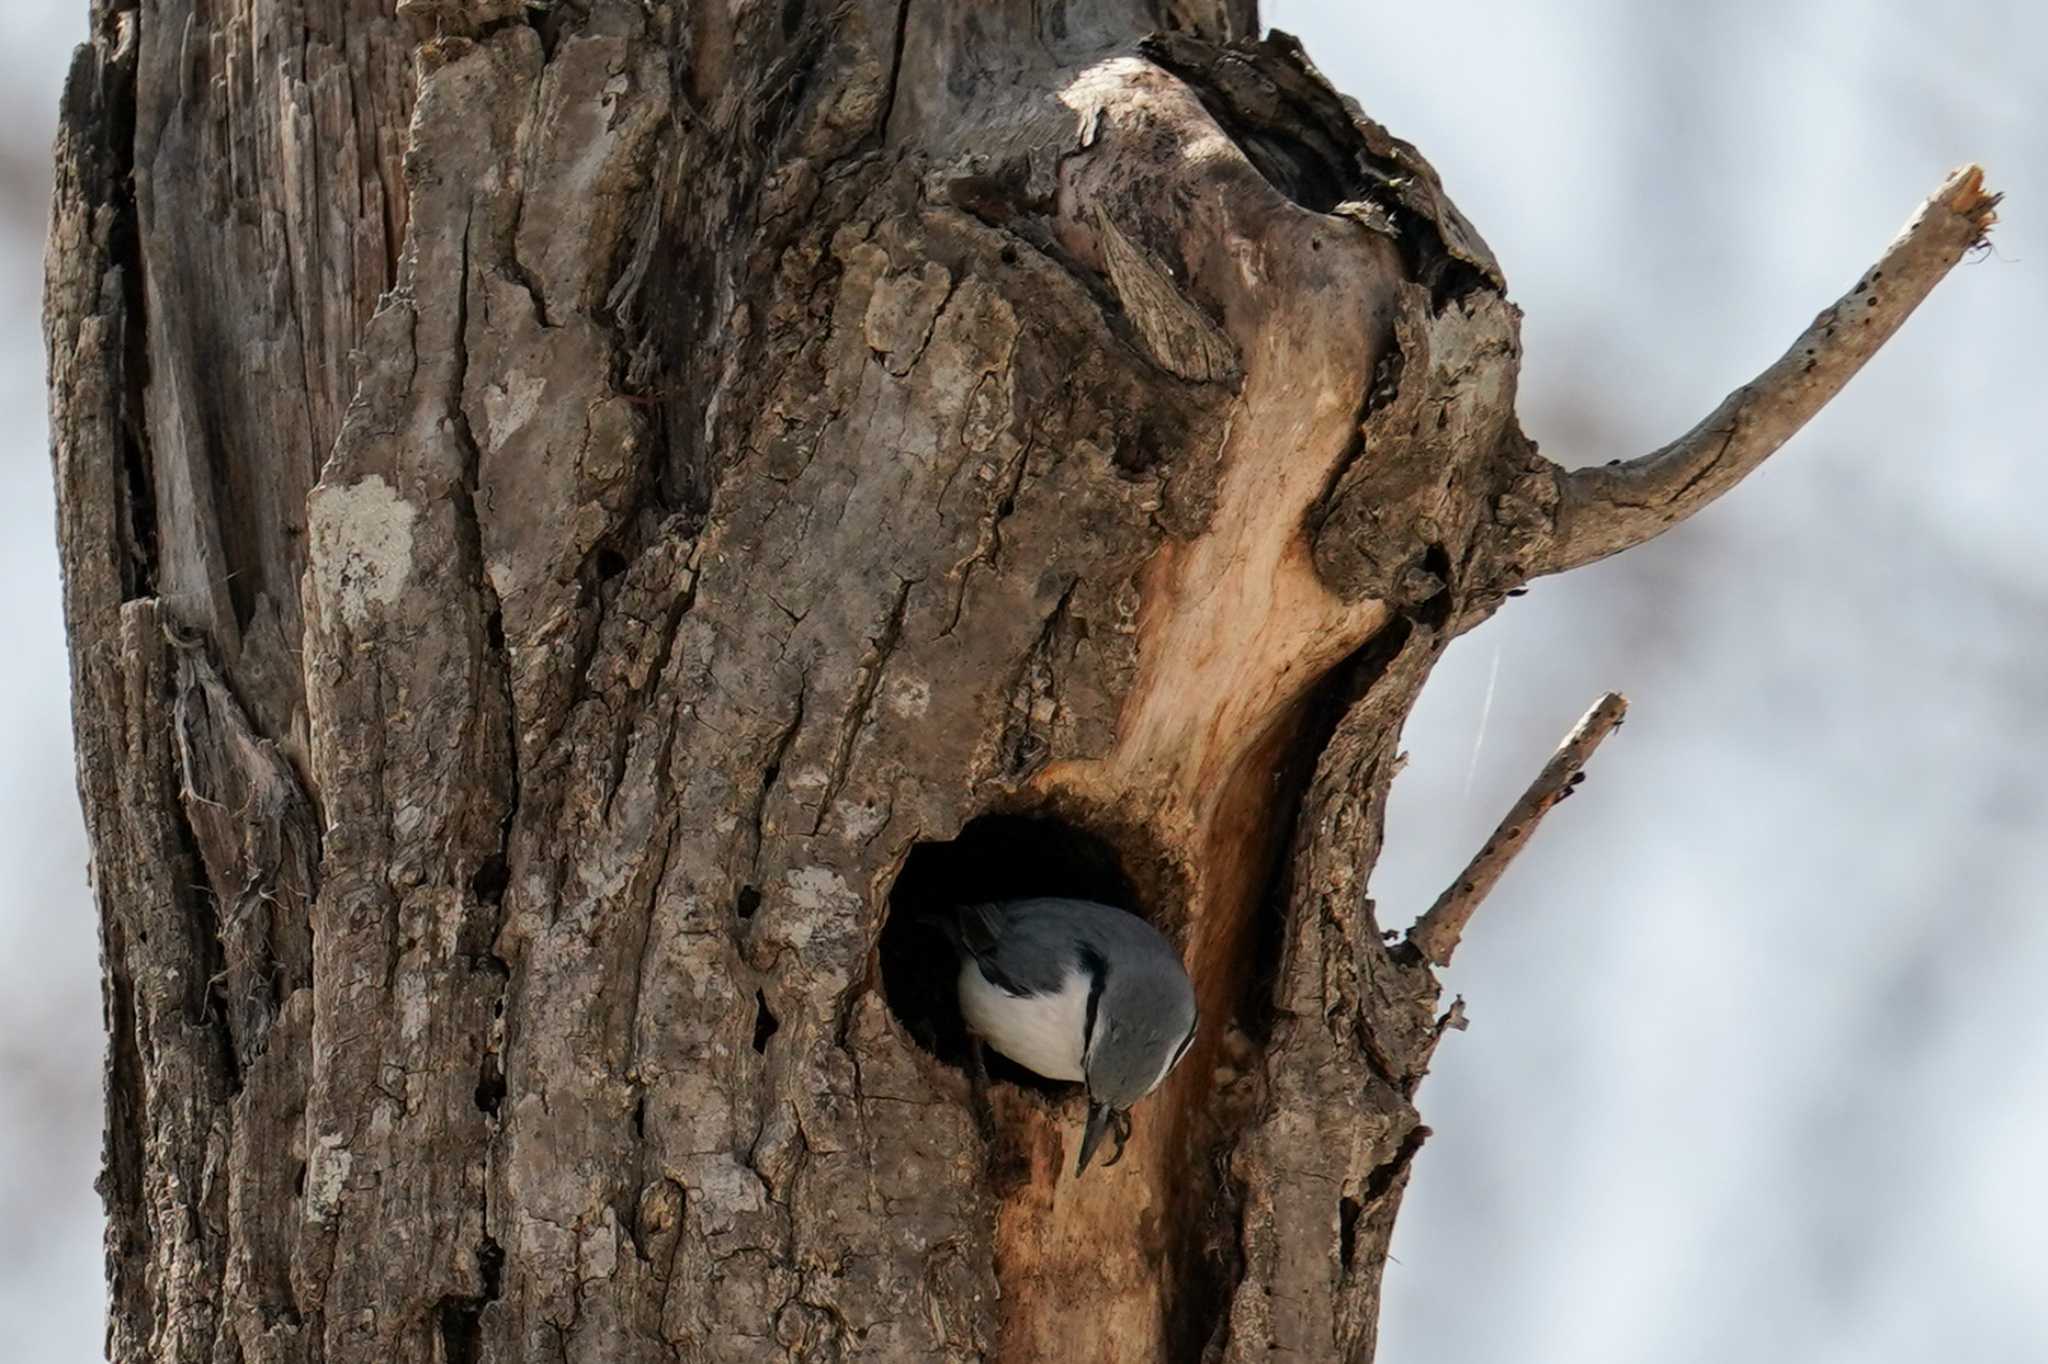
(583, 520)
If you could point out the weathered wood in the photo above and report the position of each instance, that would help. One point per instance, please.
(1436, 934)
(1604, 509)
(570, 510)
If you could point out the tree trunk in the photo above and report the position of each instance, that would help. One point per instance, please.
(582, 520)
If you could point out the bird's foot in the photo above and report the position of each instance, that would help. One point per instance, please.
(1119, 1128)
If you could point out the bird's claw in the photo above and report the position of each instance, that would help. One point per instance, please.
(1120, 1128)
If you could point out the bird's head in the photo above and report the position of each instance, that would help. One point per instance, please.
(1144, 1024)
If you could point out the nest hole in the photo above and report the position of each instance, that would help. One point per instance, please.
(995, 857)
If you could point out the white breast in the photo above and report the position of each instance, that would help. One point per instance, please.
(1042, 1033)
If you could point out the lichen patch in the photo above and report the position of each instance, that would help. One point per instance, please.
(361, 551)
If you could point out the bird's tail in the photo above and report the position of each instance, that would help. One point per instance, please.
(969, 928)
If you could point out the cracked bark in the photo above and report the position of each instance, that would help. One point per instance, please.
(568, 509)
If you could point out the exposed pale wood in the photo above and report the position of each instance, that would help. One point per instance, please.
(1435, 935)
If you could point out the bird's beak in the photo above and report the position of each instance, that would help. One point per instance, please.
(1099, 1121)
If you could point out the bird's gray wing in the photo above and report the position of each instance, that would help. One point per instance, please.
(1019, 948)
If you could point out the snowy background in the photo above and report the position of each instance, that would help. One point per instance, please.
(1758, 1066)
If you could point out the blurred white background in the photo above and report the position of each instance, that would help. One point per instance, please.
(1759, 1058)
(50, 1283)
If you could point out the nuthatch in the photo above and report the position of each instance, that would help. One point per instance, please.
(1076, 991)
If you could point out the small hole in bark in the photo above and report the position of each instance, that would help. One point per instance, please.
(490, 1084)
(462, 1332)
(1008, 255)
(1435, 613)
(462, 1335)
(766, 1025)
(549, 20)
(1347, 1229)
(299, 1181)
(610, 564)
(749, 901)
(490, 1263)
(488, 885)
(996, 857)
(494, 631)
(1141, 450)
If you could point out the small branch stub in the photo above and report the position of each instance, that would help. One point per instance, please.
(1435, 935)
(1604, 509)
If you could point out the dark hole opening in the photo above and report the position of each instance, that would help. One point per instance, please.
(1291, 165)
(462, 1334)
(749, 901)
(996, 857)
(766, 1024)
(610, 564)
(490, 1265)
(488, 885)
(490, 1084)
(1347, 1229)
(1435, 613)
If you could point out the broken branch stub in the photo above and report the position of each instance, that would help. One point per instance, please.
(1435, 935)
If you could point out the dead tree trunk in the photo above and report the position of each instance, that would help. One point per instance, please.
(582, 518)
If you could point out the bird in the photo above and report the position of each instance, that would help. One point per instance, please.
(1076, 990)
